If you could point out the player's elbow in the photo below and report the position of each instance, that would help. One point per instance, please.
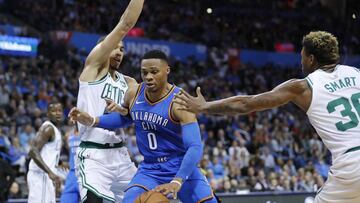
(244, 107)
(126, 25)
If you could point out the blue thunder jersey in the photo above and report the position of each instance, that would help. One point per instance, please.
(158, 136)
(74, 142)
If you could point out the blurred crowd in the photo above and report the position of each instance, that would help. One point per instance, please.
(255, 24)
(275, 150)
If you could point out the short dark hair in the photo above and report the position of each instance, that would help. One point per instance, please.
(101, 39)
(323, 45)
(52, 103)
(155, 54)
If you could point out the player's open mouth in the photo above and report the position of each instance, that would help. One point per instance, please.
(150, 85)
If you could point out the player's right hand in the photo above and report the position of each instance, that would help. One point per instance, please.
(114, 107)
(84, 118)
(56, 180)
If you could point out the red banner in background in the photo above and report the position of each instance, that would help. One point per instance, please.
(284, 47)
(136, 32)
(61, 36)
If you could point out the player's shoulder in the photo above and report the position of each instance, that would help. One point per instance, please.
(131, 94)
(295, 85)
(47, 130)
(297, 82)
(134, 88)
(130, 80)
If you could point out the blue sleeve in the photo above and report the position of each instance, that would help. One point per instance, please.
(194, 150)
(113, 120)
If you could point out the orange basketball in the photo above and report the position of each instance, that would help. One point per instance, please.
(152, 197)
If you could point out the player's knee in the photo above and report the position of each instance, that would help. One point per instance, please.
(132, 193)
(92, 198)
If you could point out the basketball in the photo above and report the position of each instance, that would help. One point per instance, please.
(152, 197)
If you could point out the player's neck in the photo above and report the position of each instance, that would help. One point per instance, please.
(112, 73)
(328, 68)
(157, 95)
(57, 124)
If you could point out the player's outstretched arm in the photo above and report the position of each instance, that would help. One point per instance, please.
(109, 121)
(101, 52)
(45, 135)
(192, 141)
(114, 120)
(290, 91)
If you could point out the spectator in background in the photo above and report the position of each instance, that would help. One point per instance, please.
(261, 183)
(268, 159)
(26, 136)
(4, 94)
(322, 168)
(15, 192)
(7, 176)
(217, 168)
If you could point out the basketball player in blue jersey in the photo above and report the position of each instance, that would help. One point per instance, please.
(168, 139)
(71, 193)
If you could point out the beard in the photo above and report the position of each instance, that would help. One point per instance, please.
(114, 65)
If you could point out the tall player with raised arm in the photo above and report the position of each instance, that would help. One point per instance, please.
(104, 165)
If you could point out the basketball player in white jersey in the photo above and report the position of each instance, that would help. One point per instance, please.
(103, 164)
(330, 96)
(44, 154)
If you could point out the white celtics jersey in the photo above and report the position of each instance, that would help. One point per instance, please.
(91, 99)
(50, 152)
(335, 108)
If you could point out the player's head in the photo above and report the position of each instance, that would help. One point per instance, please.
(154, 70)
(55, 112)
(319, 49)
(116, 55)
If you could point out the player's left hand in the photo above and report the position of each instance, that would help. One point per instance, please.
(168, 188)
(75, 115)
(190, 103)
(114, 107)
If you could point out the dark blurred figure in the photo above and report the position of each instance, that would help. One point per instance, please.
(7, 177)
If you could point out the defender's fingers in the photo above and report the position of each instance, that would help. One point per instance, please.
(108, 101)
(111, 106)
(184, 109)
(74, 109)
(181, 102)
(183, 92)
(198, 91)
(181, 97)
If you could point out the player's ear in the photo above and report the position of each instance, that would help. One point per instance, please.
(312, 59)
(168, 69)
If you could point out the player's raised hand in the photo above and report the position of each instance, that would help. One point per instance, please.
(169, 188)
(114, 107)
(190, 103)
(84, 118)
